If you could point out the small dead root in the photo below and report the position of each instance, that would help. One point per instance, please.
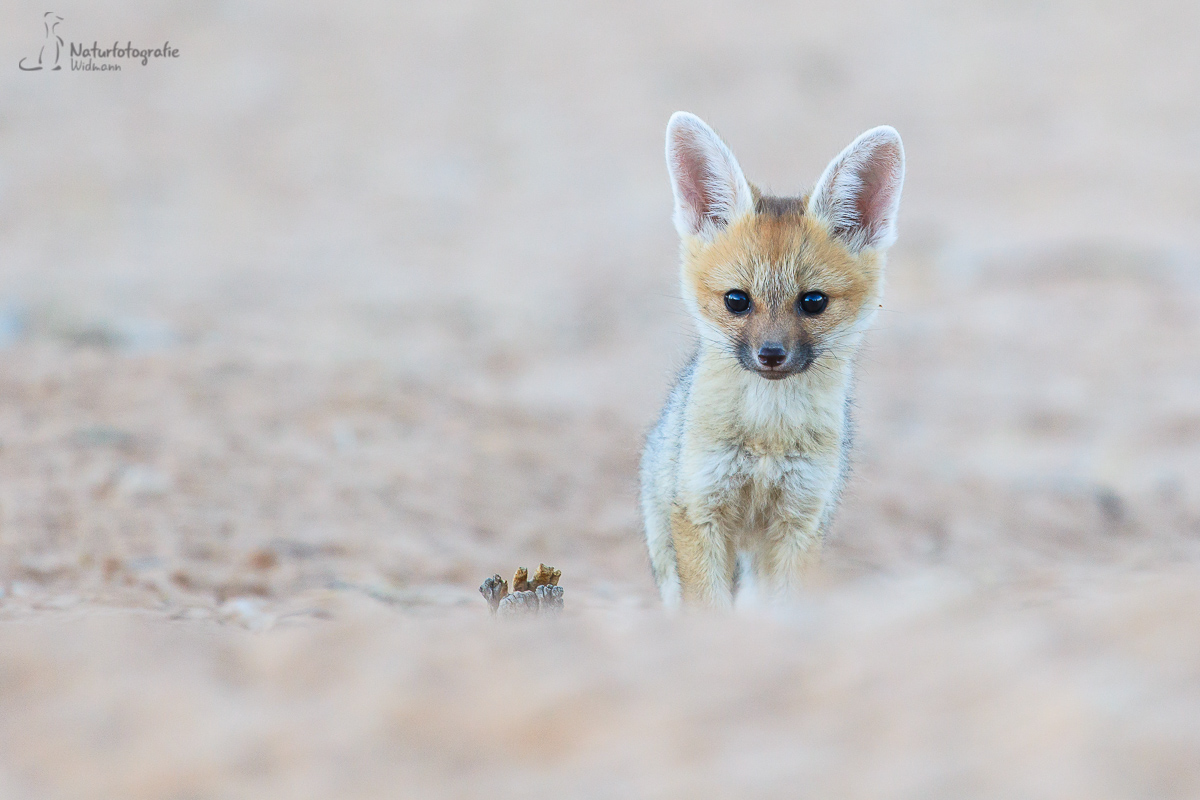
(521, 581)
(550, 598)
(494, 590)
(546, 575)
(542, 594)
(519, 604)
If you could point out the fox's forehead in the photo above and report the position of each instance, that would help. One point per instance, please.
(776, 256)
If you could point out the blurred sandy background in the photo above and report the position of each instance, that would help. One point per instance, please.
(304, 333)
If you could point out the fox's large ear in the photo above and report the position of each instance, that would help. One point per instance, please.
(858, 196)
(710, 190)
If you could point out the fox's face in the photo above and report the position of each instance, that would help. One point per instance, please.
(779, 291)
(783, 284)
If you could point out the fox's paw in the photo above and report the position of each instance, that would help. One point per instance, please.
(494, 589)
(519, 604)
(550, 599)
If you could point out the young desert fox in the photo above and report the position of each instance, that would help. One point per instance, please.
(743, 470)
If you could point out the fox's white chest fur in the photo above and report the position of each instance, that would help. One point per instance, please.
(743, 470)
(759, 453)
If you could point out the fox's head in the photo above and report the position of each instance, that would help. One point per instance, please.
(783, 283)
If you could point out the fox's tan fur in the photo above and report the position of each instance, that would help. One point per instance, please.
(742, 473)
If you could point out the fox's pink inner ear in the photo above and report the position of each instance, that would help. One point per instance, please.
(858, 196)
(710, 189)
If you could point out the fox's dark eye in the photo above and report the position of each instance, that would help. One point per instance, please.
(737, 301)
(813, 303)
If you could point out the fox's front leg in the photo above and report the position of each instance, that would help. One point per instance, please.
(705, 557)
(794, 540)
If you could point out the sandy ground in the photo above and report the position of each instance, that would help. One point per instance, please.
(304, 333)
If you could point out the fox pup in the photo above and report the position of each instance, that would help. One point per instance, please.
(743, 470)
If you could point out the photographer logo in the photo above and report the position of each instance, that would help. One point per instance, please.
(88, 58)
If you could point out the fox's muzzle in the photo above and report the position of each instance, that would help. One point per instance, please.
(775, 361)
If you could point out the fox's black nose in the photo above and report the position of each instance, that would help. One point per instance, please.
(771, 355)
